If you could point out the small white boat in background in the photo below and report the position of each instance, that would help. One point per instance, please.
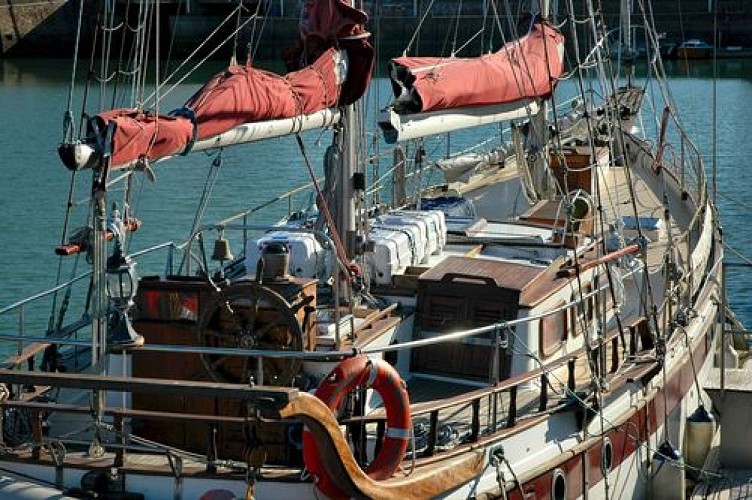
(694, 49)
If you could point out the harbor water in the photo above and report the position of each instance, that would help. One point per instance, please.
(34, 186)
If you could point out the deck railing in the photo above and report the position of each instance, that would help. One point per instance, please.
(503, 403)
(522, 399)
(57, 333)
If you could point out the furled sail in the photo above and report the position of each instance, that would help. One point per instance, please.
(523, 69)
(243, 94)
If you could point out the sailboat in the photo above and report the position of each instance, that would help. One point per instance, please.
(536, 325)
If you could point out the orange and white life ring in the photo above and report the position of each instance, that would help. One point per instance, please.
(361, 371)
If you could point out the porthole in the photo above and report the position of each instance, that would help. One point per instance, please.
(559, 485)
(607, 456)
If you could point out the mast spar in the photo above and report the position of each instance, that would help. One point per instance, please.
(538, 135)
(345, 196)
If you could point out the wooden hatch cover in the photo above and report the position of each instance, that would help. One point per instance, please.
(462, 293)
(501, 274)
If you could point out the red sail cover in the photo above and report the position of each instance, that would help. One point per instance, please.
(321, 20)
(243, 94)
(523, 69)
(138, 134)
(334, 23)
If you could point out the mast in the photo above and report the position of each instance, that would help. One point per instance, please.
(344, 192)
(540, 171)
(99, 292)
(626, 26)
(627, 44)
(345, 201)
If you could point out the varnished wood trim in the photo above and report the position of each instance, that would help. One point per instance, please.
(269, 396)
(350, 478)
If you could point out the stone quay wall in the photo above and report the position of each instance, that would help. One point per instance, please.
(47, 27)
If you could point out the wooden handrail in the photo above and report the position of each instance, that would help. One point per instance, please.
(287, 405)
(264, 397)
(273, 398)
(575, 269)
(473, 397)
(25, 355)
(125, 412)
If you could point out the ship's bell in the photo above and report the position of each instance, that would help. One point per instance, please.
(222, 251)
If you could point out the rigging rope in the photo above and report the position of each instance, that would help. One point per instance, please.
(456, 27)
(552, 375)
(201, 62)
(209, 184)
(738, 254)
(120, 69)
(234, 57)
(255, 39)
(324, 207)
(68, 123)
(418, 28)
(158, 52)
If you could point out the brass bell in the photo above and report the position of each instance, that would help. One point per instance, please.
(222, 250)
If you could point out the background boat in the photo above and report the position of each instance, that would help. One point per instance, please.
(694, 49)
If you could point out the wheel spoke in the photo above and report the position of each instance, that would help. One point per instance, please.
(261, 332)
(244, 310)
(219, 335)
(222, 359)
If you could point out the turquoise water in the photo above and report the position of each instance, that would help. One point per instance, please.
(34, 185)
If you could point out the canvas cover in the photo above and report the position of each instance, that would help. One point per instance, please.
(243, 93)
(522, 69)
(139, 134)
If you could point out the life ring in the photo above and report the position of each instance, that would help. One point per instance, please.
(361, 371)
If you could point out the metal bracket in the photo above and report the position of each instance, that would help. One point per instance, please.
(496, 455)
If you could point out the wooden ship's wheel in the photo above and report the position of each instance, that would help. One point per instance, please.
(250, 316)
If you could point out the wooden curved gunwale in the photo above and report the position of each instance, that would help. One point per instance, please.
(350, 478)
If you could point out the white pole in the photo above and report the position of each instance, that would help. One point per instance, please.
(398, 128)
(540, 170)
(626, 17)
(345, 204)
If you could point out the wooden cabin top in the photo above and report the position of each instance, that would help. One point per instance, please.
(532, 283)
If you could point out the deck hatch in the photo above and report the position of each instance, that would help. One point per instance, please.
(461, 293)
